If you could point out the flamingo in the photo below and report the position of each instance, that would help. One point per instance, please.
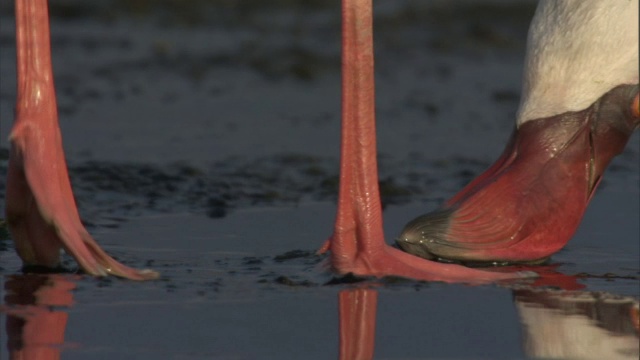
(579, 107)
(41, 212)
(43, 217)
(357, 244)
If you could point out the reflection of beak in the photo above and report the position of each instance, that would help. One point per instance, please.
(577, 325)
(529, 203)
(35, 329)
(550, 277)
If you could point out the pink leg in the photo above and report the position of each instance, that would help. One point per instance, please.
(40, 208)
(357, 244)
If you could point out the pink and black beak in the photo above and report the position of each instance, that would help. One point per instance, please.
(529, 204)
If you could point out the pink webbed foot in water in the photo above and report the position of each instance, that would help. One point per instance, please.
(40, 208)
(357, 245)
(579, 108)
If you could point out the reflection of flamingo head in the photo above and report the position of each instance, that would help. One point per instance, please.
(577, 325)
(550, 277)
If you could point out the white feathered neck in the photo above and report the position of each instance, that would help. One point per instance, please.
(577, 50)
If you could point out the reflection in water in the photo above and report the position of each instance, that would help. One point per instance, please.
(35, 323)
(357, 323)
(557, 323)
(578, 325)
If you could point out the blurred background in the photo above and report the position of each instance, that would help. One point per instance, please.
(202, 139)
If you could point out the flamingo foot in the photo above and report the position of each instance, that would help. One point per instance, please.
(40, 208)
(530, 202)
(41, 212)
(389, 261)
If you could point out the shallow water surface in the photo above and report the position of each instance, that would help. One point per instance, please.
(203, 143)
(230, 291)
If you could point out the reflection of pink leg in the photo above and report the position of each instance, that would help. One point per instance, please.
(37, 335)
(35, 330)
(357, 244)
(41, 210)
(357, 323)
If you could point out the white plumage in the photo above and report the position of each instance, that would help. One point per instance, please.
(577, 50)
